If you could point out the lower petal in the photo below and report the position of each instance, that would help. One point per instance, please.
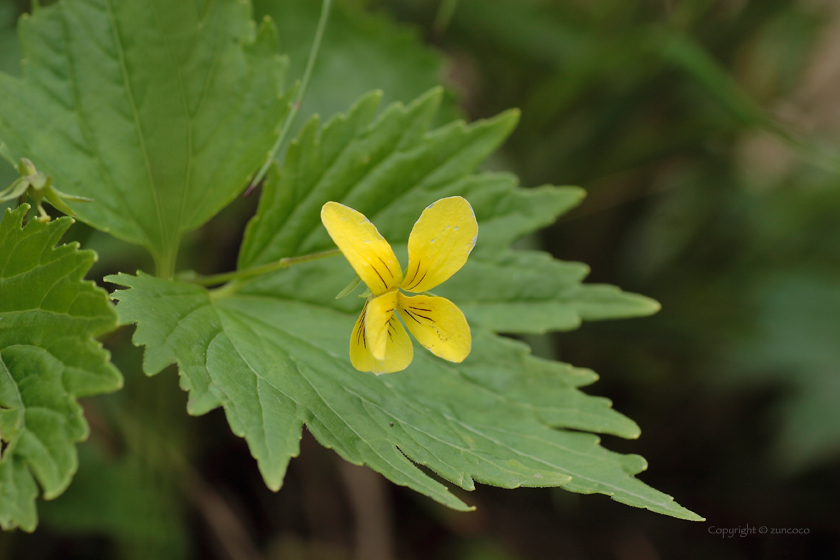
(437, 324)
(380, 311)
(398, 353)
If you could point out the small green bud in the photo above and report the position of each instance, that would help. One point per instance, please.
(38, 186)
(27, 168)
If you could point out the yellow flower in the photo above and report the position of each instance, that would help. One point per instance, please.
(438, 247)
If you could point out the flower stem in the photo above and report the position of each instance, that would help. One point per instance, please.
(304, 83)
(215, 279)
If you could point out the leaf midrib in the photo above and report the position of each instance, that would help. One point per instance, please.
(186, 186)
(130, 92)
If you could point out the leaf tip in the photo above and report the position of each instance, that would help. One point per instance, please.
(267, 33)
(273, 485)
(114, 278)
(435, 92)
(510, 117)
(579, 191)
(648, 306)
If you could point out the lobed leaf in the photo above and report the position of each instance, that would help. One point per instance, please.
(48, 357)
(276, 364)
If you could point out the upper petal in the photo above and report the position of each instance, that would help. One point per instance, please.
(440, 243)
(398, 354)
(437, 324)
(365, 249)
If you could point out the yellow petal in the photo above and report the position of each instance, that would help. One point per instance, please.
(367, 251)
(380, 311)
(398, 354)
(437, 324)
(440, 243)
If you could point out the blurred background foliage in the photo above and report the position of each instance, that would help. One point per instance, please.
(707, 134)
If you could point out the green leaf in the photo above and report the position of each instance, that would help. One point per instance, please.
(160, 112)
(48, 357)
(273, 351)
(276, 364)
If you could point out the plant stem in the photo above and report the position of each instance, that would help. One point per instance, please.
(286, 262)
(165, 264)
(304, 83)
